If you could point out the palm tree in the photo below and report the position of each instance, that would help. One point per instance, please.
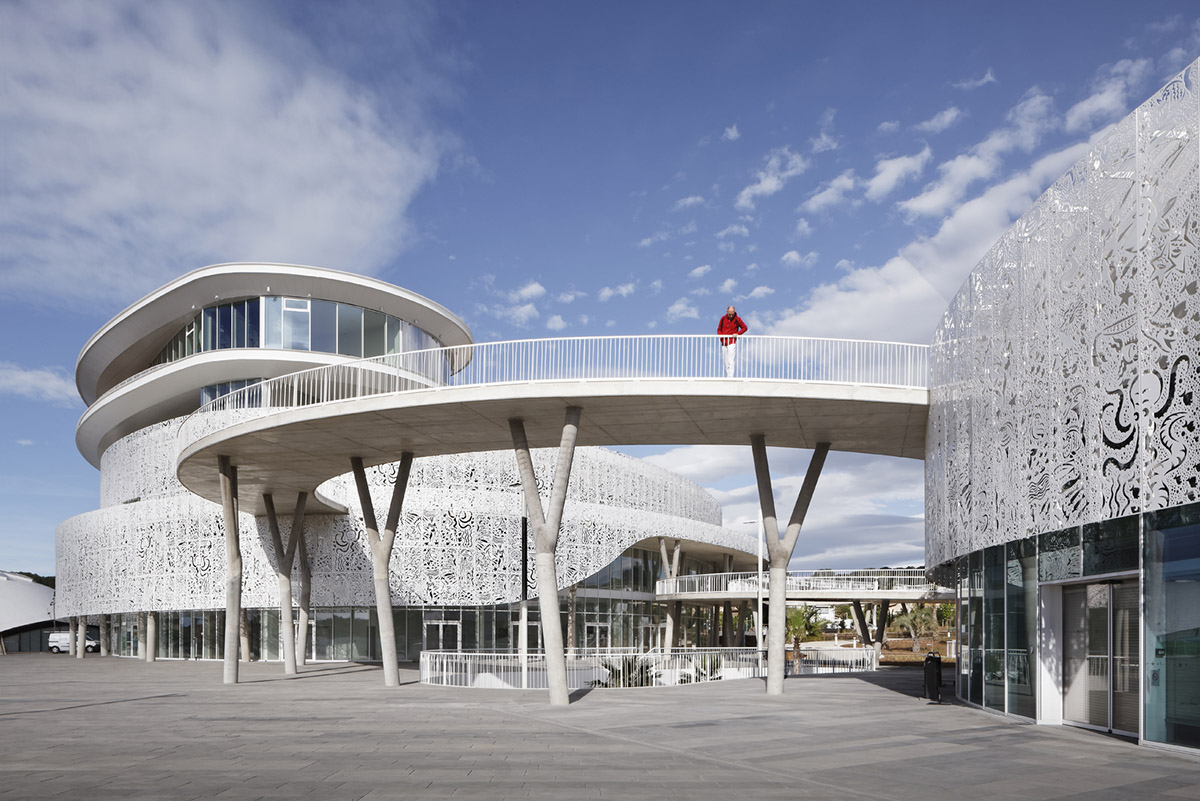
(803, 623)
(919, 622)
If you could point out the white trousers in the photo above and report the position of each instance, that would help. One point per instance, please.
(729, 357)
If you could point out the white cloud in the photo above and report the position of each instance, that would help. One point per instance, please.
(700, 292)
(731, 133)
(888, 126)
(793, 258)
(975, 83)
(803, 229)
(779, 166)
(531, 291)
(726, 247)
(143, 139)
(682, 309)
(825, 141)
(690, 228)
(556, 323)
(47, 384)
(622, 290)
(1110, 95)
(656, 286)
(733, 230)
(1028, 121)
(610, 324)
(570, 296)
(751, 267)
(833, 194)
(890, 173)
(519, 315)
(24, 442)
(700, 272)
(727, 286)
(687, 202)
(940, 121)
(657, 236)
(584, 319)
(758, 292)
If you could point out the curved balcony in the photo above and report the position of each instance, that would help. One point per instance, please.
(899, 584)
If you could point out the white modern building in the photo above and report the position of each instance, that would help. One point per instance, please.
(154, 554)
(1063, 446)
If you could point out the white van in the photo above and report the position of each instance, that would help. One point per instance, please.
(60, 641)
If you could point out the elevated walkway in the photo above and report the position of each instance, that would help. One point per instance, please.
(823, 586)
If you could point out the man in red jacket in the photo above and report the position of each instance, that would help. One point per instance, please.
(730, 327)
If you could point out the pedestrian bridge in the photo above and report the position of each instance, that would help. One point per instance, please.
(822, 586)
(290, 434)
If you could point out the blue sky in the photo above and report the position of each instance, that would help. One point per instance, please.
(542, 169)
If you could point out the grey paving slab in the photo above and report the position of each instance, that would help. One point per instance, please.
(115, 728)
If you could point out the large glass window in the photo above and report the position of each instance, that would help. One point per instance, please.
(1110, 546)
(993, 638)
(295, 324)
(1172, 626)
(323, 332)
(1021, 629)
(1058, 555)
(349, 330)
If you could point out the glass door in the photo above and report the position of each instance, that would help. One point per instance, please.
(595, 635)
(1100, 656)
(441, 635)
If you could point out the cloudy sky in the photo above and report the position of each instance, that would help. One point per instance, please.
(542, 169)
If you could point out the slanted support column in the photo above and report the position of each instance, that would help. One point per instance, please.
(244, 636)
(284, 558)
(727, 611)
(860, 622)
(780, 549)
(881, 626)
(233, 569)
(152, 636)
(571, 610)
(546, 526)
(81, 644)
(674, 608)
(105, 635)
(743, 611)
(381, 556)
(305, 604)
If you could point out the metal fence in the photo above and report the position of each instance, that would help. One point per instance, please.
(617, 667)
(630, 358)
(849, 581)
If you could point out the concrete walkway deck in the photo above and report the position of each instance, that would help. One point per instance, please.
(101, 729)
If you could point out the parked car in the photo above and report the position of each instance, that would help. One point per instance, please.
(60, 641)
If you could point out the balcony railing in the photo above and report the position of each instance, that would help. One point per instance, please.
(626, 358)
(800, 581)
(627, 667)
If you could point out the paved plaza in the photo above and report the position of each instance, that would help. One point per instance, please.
(106, 728)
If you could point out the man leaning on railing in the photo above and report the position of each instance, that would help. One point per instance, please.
(729, 328)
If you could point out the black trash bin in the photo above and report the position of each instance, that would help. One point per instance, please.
(933, 677)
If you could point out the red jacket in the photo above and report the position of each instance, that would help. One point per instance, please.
(727, 326)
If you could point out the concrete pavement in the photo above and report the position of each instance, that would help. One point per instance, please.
(108, 728)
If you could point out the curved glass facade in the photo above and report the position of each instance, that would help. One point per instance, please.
(304, 324)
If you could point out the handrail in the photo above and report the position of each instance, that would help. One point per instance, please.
(626, 358)
(848, 581)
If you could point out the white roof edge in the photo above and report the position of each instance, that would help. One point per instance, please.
(451, 330)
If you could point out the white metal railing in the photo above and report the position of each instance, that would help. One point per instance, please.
(802, 359)
(799, 581)
(629, 667)
(592, 667)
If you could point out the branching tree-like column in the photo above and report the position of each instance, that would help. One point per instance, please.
(780, 549)
(381, 556)
(305, 601)
(674, 608)
(545, 537)
(284, 558)
(233, 570)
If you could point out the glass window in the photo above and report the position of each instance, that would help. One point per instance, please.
(1110, 546)
(1058, 555)
(395, 344)
(323, 634)
(295, 325)
(239, 324)
(374, 333)
(323, 326)
(273, 329)
(1021, 629)
(360, 647)
(224, 326)
(252, 329)
(1172, 626)
(341, 633)
(349, 330)
(210, 329)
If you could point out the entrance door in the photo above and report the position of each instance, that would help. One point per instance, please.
(441, 635)
(1100, 656)
(595, 635)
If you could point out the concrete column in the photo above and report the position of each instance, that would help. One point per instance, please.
(81, 645)
(105, 635)
(151, 636)
(233, 567)
(727, 624)
(546, 525)
(673, 624)
(141, 635)
(73, 640)
(244, 636)
(743, 611)
(671, 564)
(571, 611)
(881, 626)
(780, 550)
(860, 621)
(305, 601)
(381, 556)
(285, 556)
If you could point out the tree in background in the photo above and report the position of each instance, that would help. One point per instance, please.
(919, 622)
(803, 624)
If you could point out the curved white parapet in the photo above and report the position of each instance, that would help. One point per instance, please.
(23, 601)
(296, 431)
(895, 584)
